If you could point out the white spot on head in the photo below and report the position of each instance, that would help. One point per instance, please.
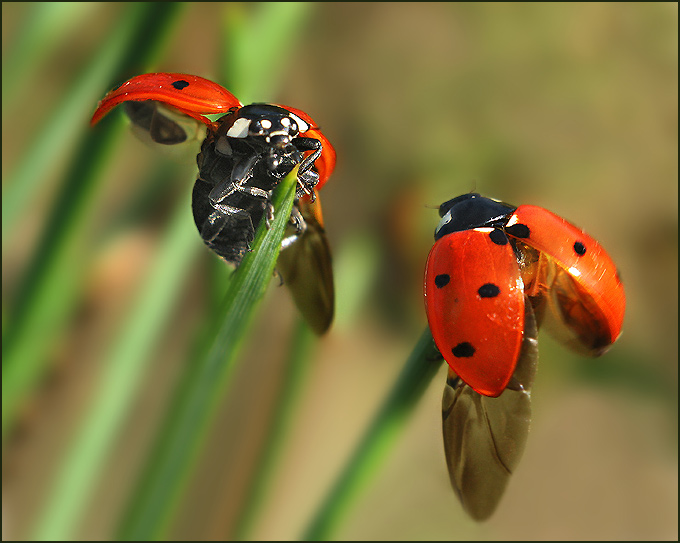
(302, 125)
(239, 129)
(266, 124)
(446, 219)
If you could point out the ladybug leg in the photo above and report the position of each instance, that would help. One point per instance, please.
(307, 177)
(241, 173)
(218, 219)
(269, 214)
(298, 221)
(221, 199)
(309, 144)
(251, 191)
(306, 183)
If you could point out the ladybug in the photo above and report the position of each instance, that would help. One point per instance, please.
(495, 275)
(244, 155)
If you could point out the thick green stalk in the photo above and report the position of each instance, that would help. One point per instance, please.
(51, 283)
(294, 374)
(120, 382)
(204, 385)
(420, 368)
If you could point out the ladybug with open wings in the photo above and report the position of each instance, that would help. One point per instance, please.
(495, 275)
(245, 154)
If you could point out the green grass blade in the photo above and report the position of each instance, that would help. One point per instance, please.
(53, 278)
(294, 374)
(252, 72)
(45, 26)
(420, 368)
(200, 391)
(132, 44)
(49, 285)
(120, 382)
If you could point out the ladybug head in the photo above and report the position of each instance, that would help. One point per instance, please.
(273, 124)
(471, 211)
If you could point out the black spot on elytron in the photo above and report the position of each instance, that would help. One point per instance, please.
(181, 84)
(579, 248)
(498, 237)
(442, 280)
(518, 230)
(489, 290)
(463, 350)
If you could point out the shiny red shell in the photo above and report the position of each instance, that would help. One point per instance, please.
(596, 305)
(190, 94)
(474, 300)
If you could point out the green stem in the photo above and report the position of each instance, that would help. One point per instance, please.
(130, 47)
(120, 382)
(420, 368)
(202, 388)
(53, 278)
(294, 374)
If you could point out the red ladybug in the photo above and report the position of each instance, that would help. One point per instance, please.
(487, 257)
(496, 274)
(245, 154)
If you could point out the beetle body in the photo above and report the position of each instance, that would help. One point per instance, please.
(495, 274)
(243, 157)
(240, 164)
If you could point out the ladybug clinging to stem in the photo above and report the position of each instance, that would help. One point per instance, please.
(245, 154)
(495, 275)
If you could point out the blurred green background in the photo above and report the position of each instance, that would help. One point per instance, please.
(572, 107)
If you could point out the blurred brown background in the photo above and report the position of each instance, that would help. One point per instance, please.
(572, 107)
